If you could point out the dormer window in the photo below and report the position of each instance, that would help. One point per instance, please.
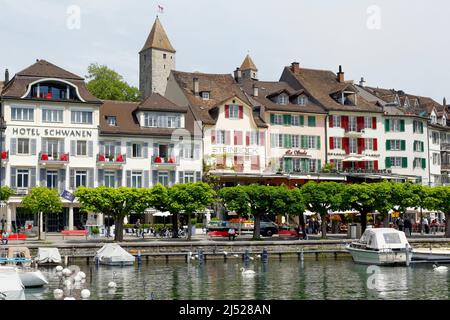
(205, 95)
(282, 99)
(347, 98)
(112, 121)
(433, 119)
(444, 121)
(302, 100)
(53, 90)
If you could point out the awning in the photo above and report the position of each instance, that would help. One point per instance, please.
(351, 159)
(162, 214)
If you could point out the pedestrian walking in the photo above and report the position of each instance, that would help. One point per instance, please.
(408, 226)
(138, 227)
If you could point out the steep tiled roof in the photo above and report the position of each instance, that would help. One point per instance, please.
(157, 39)
(248, 64)
(156, 102)
(46, 69)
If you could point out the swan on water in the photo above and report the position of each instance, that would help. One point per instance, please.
(112, 285)
(247, 272)
(440, 268)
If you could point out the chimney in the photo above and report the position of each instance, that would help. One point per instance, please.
(196, 87)
(237, 74)
(340, 75)
(444, 102)
(362, 82)
(295, 67)
(6, 76)
(255, 90)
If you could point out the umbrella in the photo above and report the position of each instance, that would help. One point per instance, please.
(162, 214)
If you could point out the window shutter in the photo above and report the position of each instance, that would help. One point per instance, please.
(198, 176)
(304, 142)
(145, 151)
(180, 176)
(247, 138)
(424, 163)
(404, 162)
(33, 146)
(213, 136)
(227, 137)
(318, 142)
(311, 121)
(101, 177)
(402, 125)
(90, 173)
(360, 145)
(344, 122)
(62, 180)
(422, 146)
(119, 178)
(262, 138)
(359, 123)
(146, 178)
(331, 124)
(388, 145)
(2, 173)
(128, 178)
(346, 145)
(13, 178)
(302, 121)
(72, 179)
(287, 140)
(155, 150)
(90, 149)
(155, 177)
(288, 165)
(43, 177)
(387, 126)
(73, 151)
(374, 122)
(272, 118)
(227, 111)
(331, 143)
(172, 178)
(129, 150)
(241, 112)
(403, 145)
(319, 165)
(13, 147)
(272, 140)
(421, 127)
(388, 162)
(287, 119)
(375, 144)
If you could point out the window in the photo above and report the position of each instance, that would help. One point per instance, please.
(296, 141)
(396, 145)
(22, 114)
(110, 179)
(22, 180)
(417, 126)
(396, 162)
(52, 179)
(188, 176)
(112, 121)
(234, 111)
(80, 178)
(436, 159)
(52, 147)
(278, 119)
(254, 138)
(163, 178)
(435, 137)
(205, 95)
(81, 148)
(295, 120)
(391, 238)
(312, 165)
(368, 144)
(136, 179)
(368, 122)
(137, 150)
(336, 121)
(23, 146)
(337, 143)
(338, 164)
(352, 126)
(110, 150)
(395, 125)
(164, 55)
(280, 141)
(150, 120)
(220, 136)
(282, 99)
(418, 146)
(312, 142)
(187, 151)
(82, 117)
(162, 120)
(353, 145)
(172, 122)
(433, 119)
(302, 100)
(52, 116)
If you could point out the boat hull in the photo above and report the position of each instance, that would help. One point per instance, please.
(379, 258)
(32, 279)
(431, 255)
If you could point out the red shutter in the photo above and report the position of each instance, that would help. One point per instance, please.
(346, 145)
(247, 138)
(227, 137)
(375, 144)
(360, 145)
(255, 163)
(331, 122)
(238, 138)
(344, 122)
(262, 138)
(241, 112)
(375, 164)
(359, 123)
(331, 143)
(235, 138)
(374, 123)
(213, 136)
(227, 111)
(363, 144)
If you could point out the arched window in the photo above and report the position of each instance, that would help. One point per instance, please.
(53, 90)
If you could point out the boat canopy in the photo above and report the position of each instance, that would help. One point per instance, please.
(48, 255)
(11, 287)
(384, 238)
(112, 252)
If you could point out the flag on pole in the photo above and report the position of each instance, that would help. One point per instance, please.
(160, 9)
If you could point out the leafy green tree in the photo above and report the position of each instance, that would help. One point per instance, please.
(322, 198)
(190, 198)
(440, 201)
(360, 197)
(295, 205)
(161, 201)
(235, 199)
(5, 193)
(42, 200)
(115, 202)
(107, 84)
(383, 200)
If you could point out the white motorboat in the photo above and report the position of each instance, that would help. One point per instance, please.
(431, 254)
(31, 278)
(48, 256)
(114, 255)
(11, 287)
(382, 246)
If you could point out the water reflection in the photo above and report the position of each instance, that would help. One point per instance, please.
(288, 279)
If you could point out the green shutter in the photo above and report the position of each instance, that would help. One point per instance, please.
(302, 120)
(304, 165)
(288, 165)
(388, 163)
(311, 121)
(404, 162)
(319, 165)
(422, 146)
(414, 126)
(421, 127)
(287, 119)
(387, 126)
(272, 118)
(304, 142)
(402, 145)
(318, 143)
(424, 163)
(287, 138)
(402, 125)
(388, 145)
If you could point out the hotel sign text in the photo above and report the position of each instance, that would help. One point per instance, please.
(57, 133)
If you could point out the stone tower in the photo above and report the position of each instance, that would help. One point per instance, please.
(156, 60)
(248, 68)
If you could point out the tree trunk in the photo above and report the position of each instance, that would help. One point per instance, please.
(324, 227)
(39, 225)
(302, 222)
(175, 226)
(189, 227)
(447, 225)
(118, 233)
(363, 221)
(257, 227)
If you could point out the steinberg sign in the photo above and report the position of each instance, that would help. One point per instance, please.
(235, 150)
(57, 133)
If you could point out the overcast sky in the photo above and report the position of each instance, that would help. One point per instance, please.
(401, 44)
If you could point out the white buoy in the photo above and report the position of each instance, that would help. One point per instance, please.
(112, 285)
(66, 272)
(85, 293)
(236, 255)
(59, 268)
(58, 294)
(69, 298)
(258, 256)
(68, 283)
(225, 253)
(251, 258)
(82, 275)
(77, 278)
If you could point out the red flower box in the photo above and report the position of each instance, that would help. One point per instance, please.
(158, 160)
(44, 156)
(171, 160)
(64, 157)
(49, 96)
(101, 157)
(4, 154)
(119, 158)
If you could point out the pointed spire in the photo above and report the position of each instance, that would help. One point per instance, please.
(248, 64)
(158, 39)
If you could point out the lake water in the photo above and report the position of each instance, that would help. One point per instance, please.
(288, 279)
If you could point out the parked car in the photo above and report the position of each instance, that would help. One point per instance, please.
(268, 228)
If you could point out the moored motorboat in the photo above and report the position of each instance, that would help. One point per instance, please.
(48, 256)
(431, 254)
(383, 246)
(114, 255)
(11, 287)
(31, 278)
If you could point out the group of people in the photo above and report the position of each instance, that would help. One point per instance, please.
(313, 225)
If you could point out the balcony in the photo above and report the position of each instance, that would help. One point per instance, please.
(111, 161)
(445, 146)
(165, 162)
(445, 167)
(5, 156)
(54, 160)
(21, 191)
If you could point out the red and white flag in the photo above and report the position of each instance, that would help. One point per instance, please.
(160, 9)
